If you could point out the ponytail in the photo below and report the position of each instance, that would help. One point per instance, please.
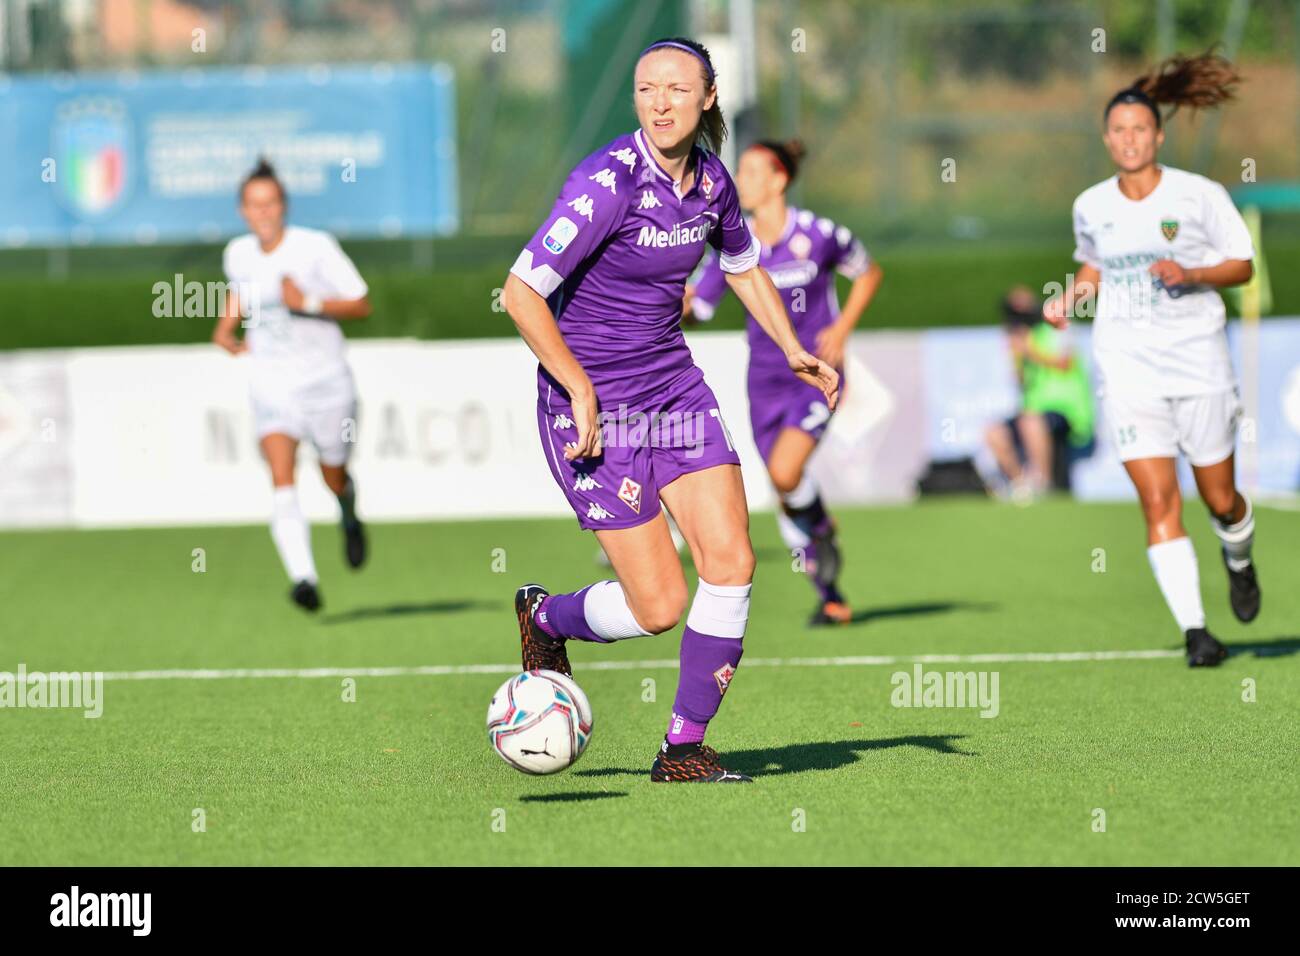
(1200, 82)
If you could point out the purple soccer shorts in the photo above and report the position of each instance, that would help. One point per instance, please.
(644, 449)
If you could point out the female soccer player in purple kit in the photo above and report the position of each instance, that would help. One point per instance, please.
(802, 252)
(597, 296)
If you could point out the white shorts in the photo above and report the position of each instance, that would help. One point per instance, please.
(324, 414)
(1202, 427)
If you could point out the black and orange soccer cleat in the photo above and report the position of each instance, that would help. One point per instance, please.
(699, 764)
(831, 612)
(538, 650)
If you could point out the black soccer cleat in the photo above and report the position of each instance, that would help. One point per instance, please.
(305, 595)
(699, 765)
(537, 649)
(1203, 650)
(1243, 591)
(354, 544)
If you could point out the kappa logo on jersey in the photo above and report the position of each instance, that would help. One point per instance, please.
(606, 178)
(706, 185)
(560, 234)
(629, 492)
(583, 206)
(723, 676)
(586, 483)
(596, 513)
(1169, 228)
(649, 200)
(679, 235)
(789, 275)
(562, 421)
(626, 157)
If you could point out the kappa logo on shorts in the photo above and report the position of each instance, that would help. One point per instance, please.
(596, 513)
(629, 492)
(562, 421)
(586, 483)
(723, 676)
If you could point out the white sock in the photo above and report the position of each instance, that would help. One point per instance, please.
(605, 608)
(790, 533)
(720, 610)
(1237, 538)
(803, 494)
(292, 536)
(1174, 564)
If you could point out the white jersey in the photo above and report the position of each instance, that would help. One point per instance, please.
(1148, 339)
(294, 349)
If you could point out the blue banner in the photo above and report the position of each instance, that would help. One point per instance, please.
(155, 157)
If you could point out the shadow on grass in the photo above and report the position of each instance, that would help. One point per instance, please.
(919, 609)
(571, 797)
(1277, 647)
(409, 609)
(802, 758)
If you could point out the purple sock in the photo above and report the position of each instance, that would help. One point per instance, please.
(562, 615)
(684, 731)
(707, 665)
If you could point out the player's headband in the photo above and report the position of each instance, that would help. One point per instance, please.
(782, 159)
(708, 69)
(1134, 95)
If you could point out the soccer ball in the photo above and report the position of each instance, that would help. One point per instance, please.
(539, 722)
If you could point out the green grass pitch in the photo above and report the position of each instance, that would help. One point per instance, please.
(287, 772)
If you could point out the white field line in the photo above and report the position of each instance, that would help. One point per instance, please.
(451, 670)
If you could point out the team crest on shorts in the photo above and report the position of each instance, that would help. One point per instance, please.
(723, 676)
(629, 492)
(1169, 227)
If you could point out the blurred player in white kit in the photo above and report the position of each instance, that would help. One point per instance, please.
(294, 285)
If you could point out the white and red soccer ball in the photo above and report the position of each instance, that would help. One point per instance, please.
(539, 722)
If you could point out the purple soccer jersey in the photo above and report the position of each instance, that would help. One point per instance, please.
(613, 257)
(802, 264)
(612, 260)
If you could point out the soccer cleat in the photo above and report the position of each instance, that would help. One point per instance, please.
(700, 765)
(354, 544)
(538, 650)
(1203, 650)
(831, 612)
(1243, 591)
(305, 595)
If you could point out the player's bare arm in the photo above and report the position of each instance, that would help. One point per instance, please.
(832, 340)
(533, 318)
(1227, 273)
(756, 292)
(224, 334)
(1058, 309)
(297, 301)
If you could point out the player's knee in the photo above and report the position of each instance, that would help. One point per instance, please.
(1220, 501)
(1161, 504)
(663, 612)
(784, 479)
(729, 565)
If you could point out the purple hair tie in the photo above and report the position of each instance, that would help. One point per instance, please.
(685, 49)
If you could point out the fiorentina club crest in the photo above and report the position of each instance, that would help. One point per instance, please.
(629, 492)
(706, 185)
(723, 676)
(91, 142)
(1170, 228)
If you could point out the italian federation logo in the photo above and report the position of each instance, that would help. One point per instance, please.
(91, 142)
(1169, 227)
